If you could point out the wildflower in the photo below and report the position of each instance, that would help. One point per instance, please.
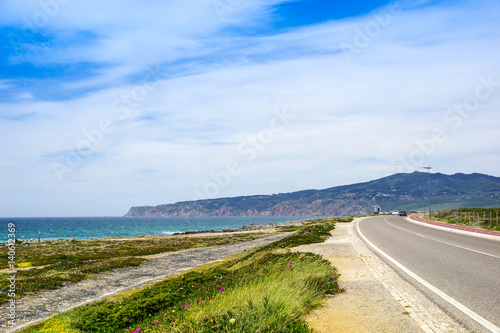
(333, 276)
(222, 288)
(290, 265)
(218, 285)
(232, 320)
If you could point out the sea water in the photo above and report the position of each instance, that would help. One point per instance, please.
(103, 227)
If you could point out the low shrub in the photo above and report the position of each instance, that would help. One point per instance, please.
(267, 290)
(344, 219)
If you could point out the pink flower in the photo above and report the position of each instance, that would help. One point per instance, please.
(222, 288)
(218, 285)
(290, 265)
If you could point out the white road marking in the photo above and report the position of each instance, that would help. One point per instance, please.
(493, 328)
(437, 240)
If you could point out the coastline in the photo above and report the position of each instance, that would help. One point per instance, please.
(83, 228)
(349, 310)
(270, 227)
(35, 308)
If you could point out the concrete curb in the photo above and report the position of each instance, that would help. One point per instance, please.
(449, 229)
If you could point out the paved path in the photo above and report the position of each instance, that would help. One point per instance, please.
(376, 299)
(479, 231)
(39, 307)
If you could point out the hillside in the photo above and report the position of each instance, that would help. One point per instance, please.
(403, 191)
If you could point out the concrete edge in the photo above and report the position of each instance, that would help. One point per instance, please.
(458, 231)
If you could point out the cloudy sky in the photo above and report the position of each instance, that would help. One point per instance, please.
(110, 104)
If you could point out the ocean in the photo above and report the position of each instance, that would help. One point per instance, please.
(103, 227)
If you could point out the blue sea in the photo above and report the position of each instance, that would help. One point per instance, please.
(102, 227)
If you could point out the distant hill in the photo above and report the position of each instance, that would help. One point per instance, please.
(402, 191)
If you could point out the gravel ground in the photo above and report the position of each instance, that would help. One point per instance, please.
(39, 307)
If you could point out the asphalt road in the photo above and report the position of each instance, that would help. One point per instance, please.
(461, 273)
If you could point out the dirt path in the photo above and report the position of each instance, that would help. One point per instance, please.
(376, 298)
(34, 309)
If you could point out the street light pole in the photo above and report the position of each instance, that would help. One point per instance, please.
(429, 186)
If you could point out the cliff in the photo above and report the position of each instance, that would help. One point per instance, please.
(404, 191)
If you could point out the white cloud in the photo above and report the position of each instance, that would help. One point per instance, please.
(355, 121)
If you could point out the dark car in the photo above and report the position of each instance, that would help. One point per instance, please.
(402, 213)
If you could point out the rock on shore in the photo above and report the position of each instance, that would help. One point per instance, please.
(248, 227)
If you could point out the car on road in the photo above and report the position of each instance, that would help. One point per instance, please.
(395, 212)
(402, 213)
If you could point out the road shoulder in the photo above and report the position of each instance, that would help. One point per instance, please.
(376, 299)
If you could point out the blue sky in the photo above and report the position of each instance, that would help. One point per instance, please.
(105, 105)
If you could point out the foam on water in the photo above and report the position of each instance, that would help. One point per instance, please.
(102, 227)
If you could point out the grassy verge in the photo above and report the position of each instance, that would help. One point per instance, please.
(266, 290)
(485, 218)
(54, 264)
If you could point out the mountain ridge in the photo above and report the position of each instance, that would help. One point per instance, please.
(402, 191)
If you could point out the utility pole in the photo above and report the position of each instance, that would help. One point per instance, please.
(423, 191)
(429, 186)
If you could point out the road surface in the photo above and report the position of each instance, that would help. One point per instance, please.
(461, 273)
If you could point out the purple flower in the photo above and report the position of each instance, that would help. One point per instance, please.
(222, 288)
(290, 265)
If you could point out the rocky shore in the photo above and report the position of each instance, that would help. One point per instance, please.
(248, 227)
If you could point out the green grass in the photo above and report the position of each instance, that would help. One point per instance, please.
(315, 231)
(266, 290)
(344, 219)
(469, 217)
(54, 264)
